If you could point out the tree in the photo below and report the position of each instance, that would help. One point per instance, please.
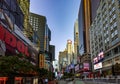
(13, 64)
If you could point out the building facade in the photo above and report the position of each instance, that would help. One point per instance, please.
(81, 29)
(13, 11)
(42, 37)
(38, 23)
(69, 52)
(94, 7)
(12, 40)
(52, 51)
(63, 62)
(47, 38)
(105, 36)
(84, 21)
(76, 42)
(25, 5)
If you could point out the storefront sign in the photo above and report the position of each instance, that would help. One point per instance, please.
(12, 41)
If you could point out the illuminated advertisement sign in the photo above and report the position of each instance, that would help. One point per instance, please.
(86, 66)
(41, 60)
(14, 44)
(99, 58)
(12, 41)
(98, 66)
(77, 67)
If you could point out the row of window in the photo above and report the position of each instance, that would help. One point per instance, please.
(11, 8)
(112, 52)
(34, 22)
(110, 29)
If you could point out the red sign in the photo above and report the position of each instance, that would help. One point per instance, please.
(86, 66)
(11, 40)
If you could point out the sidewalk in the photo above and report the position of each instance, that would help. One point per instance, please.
(52, 82)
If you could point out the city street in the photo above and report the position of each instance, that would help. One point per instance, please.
(91, 81)
(59, 42)
(70, 82)
(79, 82)
(62, 82)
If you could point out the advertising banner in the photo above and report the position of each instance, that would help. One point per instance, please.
(14, 45)
(98, 66)
(86, 66)
(77, 68)
(41, 61)
(99, 58)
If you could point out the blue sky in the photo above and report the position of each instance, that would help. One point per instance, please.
(61, 15)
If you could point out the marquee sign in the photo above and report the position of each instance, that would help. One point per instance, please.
(11, 40)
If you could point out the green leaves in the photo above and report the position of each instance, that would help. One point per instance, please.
(14, 64)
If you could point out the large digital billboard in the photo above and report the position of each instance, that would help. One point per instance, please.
(86, 66)
(99, 58)
(98, 66)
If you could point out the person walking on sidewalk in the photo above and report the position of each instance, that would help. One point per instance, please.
(46, 81)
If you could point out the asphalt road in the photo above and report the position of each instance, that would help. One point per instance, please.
(70, 82)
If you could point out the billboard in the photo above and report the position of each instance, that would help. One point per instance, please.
(99, 58)
(41, 61)
(86, 66)
(77, 67)
(98, 66)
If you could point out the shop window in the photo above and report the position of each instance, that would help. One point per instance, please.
(118, 48)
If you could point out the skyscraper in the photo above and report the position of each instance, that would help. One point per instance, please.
(105, 36)
(84, 21)
(63, 62)
(25, 5)
(52, 51)
(76, 41)
(94, 7)
(81, 29)
(69, 51)
(38, 23)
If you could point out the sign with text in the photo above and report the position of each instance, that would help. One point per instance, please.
(86, 66)
(98, 66)
(99, 58)
(41, 60)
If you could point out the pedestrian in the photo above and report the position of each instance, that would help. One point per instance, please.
(41, 81)
(46, 81)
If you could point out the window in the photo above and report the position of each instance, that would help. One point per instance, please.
(114, 16)
(116, 32)
(112, 35)
(115, 24)
(112, 1)
(115, 50)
